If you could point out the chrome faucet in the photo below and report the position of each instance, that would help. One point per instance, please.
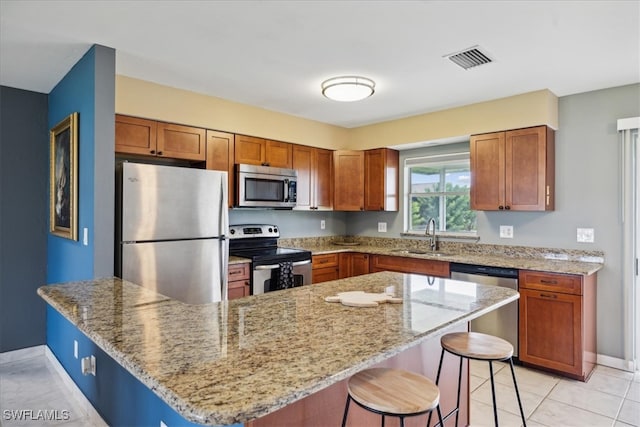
(431, 225)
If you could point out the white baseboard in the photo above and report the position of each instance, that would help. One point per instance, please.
(95, 418)
(22, 354)
(614, 362)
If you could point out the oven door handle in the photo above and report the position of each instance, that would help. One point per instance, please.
(274, 266)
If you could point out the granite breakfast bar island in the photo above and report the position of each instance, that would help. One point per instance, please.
(281, 358)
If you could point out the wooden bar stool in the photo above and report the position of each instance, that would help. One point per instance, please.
(393, 392)
(477, 346)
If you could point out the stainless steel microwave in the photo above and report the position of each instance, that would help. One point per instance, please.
(265, 187)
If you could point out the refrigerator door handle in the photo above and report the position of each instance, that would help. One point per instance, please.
(224, 268)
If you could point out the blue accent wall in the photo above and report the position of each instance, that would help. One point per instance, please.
(67, 259)
(119, 398)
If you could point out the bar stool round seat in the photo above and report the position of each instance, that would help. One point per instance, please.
(479, 346)
(393, 392)
(474, 345)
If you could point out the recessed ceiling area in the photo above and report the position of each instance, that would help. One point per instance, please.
(276, 54)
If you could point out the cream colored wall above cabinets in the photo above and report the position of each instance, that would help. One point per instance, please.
(153, 101)
(514, 112)
(150, 100)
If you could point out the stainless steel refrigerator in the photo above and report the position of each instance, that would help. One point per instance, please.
(171, 227)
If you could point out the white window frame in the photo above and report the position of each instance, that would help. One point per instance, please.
(437, 160)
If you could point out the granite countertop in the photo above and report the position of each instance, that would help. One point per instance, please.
(238, 260)
(234, 361)
(541, 259)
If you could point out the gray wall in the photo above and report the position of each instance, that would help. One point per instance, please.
(587, 195)
(293, 223)
(104, 161)
(24, 169)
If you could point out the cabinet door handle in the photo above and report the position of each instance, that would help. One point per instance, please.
(548, 282)
(152, 151)
(159, 153)
(501, 207)
(552, 296)
(231, 273)
(507, 207)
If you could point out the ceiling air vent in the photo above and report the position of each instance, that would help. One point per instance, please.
(469, 58)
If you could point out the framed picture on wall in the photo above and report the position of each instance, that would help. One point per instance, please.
(63, 178)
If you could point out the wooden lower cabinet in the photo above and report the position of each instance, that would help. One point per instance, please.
(324, 267)
(409, 265)
(353, 264)
(557, 325)
(239, 282)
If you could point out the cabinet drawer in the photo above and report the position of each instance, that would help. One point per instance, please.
(319, 275)
(324, 261)
(410, 265)
(238, 272)
(563, 283)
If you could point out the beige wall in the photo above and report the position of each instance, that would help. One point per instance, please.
(145, 99)
(519, 111)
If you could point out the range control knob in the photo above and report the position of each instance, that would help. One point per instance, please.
(232, 231)
(275, 230)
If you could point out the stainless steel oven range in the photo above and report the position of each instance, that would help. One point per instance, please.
(273, 268)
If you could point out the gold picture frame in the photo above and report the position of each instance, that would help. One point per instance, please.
(63, 178)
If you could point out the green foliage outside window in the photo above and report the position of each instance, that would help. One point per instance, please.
(441, 192)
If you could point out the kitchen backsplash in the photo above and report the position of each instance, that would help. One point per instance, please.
(449, 247)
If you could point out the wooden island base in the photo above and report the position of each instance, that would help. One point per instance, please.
(326, 407)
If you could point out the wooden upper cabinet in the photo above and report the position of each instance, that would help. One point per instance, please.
(152, 138)
(323, 187)
(348, 180)
(513, 170)
(220, 149)
(278, 154)
(530, 169)
(381, 180)
(250, 150)
(135, 135)
(487, 171)
(181, 142)
(259, 151)
(315, 185)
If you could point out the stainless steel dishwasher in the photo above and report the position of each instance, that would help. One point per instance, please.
(502, 322)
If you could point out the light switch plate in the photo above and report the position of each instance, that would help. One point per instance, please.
(323, 224)
(506, 231)
(585, 235)
(382, 227)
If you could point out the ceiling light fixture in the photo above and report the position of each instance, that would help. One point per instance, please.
(348, 88)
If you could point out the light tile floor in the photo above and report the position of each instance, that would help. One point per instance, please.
(32, 393)
(610, 398)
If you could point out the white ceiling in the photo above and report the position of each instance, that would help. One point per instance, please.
(275, 54)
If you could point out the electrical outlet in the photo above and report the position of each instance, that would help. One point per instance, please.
(506, 231)
(585, 235)
(323, 224)
(75, 348)
(382, 227)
